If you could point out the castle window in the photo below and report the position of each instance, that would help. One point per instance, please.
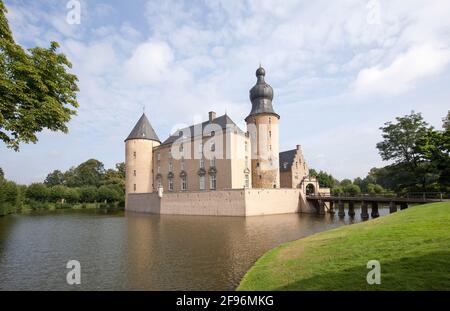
(213, 162)
(182, 164)
(170, 186)
(246, 162)
(285, 165)
(202, 182)
(213, 133)
(213, 147)
(246, 146)
(159, 183)
(134, 187)
(247, 181)
(170, 167)
(183, 183)
(257, 164)
(270, 120)
(270, 147)
(270, 134)
(200, 149)
(158, 156)
(134, 172)
(212, 182)
(159, 169)
(202, 163)
(134, 154)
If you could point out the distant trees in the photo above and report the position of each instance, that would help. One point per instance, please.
(86, 183)
(36, 91)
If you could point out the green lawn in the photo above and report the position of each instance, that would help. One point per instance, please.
(412, 246)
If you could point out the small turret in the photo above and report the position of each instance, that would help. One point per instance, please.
(139, 157)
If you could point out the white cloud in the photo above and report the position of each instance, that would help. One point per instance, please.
(149, 62)
(400, 76)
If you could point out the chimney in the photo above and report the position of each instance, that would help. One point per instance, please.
(299, 147)
(212, 115)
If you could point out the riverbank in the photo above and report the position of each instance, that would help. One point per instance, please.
(412, 246)
(52, 206)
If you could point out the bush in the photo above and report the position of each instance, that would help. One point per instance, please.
(374, 189)
(110, 193)
(37, 192)
(57, 193)
(9, 196)
(352, 189)
(88, 194)
(72, 195)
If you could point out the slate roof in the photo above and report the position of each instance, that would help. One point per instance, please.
(261, 96)
(143, 130)
(287, 157)
(223, 121)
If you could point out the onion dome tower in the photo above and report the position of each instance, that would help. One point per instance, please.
(262, 125)
(139, 157)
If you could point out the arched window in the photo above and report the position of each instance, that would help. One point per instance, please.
(212, 182)
(202, 182)
(183, 183)
(170, 185)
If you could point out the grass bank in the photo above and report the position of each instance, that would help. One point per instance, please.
(412, 246)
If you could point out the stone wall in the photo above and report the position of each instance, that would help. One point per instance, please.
(272, 201)
(238, 202)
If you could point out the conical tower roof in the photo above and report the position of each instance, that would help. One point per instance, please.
(143, 130)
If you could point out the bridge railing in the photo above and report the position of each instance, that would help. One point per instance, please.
(409, 195)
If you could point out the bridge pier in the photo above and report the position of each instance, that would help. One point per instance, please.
(392, 207)
(331, 210)
(321, 207)
(351, 209)
(364, 210)
(375, 213)
(403, 205)
(341, 212)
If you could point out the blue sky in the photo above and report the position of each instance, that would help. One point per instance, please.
(339, 69)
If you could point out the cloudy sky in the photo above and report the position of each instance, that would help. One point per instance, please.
(339, 69)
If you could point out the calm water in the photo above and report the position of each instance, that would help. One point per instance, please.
(142, 252)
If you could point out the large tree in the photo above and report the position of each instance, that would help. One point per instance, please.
(54, 178)
(401, 145)
(36, 90)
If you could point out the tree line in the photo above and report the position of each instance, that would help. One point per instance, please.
(419, 156)
(86, 185)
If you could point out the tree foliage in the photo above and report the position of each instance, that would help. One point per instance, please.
(36, 90)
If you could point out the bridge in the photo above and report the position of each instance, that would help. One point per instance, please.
(328, 202)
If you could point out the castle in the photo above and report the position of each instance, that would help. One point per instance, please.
(215, 168)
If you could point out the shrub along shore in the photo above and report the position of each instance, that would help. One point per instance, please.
(89, 185)
(412, 246)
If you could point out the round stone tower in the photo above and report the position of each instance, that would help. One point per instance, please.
(139, 158)
(262, 125)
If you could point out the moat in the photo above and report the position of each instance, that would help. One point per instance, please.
(119, 251)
